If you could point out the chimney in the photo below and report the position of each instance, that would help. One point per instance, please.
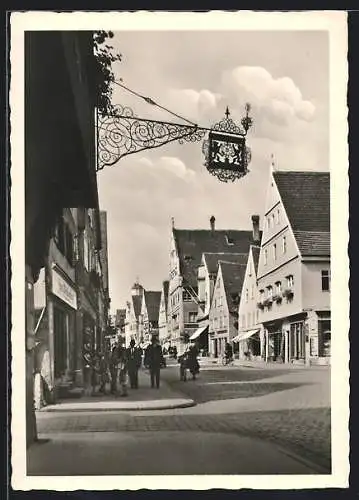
(255, 222)
(212, 220)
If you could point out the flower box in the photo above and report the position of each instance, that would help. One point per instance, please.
(277, 298)
(260, 305)
(288, 293)
(267, 302)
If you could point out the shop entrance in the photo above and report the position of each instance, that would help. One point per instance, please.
(324, 337)
(297, 341)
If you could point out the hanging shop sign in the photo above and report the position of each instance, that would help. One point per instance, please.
(63, 290)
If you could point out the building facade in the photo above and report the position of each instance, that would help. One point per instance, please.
(134, 321)
(60, 95)
(186, 250)
(223, 314)
(250, 333)
(162, 315)
(294, 268)
(150, 314)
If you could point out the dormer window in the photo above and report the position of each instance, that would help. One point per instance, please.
(229, 241)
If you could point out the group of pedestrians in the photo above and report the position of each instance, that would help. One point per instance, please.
(122, 366)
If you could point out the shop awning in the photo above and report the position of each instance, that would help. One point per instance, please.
(247, 335)
(198, 332)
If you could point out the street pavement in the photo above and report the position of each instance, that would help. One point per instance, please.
(246, 421)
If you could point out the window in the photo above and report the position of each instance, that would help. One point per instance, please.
(278, 287)
(261, 294)
(248, 319)
(269, 292)
(284, 243)
(265, 257)
(221, 322)
(275, 251)
(246, 295)
(268, 222)
(290, 281)
(86, 251)
(325, 280)
(192, 317)
(244, 321)
(186, 296)
(278, 216)
(273, 217)
(252, 292)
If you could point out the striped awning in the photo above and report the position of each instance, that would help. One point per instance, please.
(198, 332)
(245, 335)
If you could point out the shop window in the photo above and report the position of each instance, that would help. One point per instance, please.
(325, 280)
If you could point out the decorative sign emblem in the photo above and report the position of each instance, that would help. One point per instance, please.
(226, 154)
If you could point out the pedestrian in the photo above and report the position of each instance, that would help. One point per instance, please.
(192, 361)
(122, 370)
(114, 358)
(153, 360)
(134, 359)
(102, 373)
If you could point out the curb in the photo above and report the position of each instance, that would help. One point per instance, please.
(118, 406)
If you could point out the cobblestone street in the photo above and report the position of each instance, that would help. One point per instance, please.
(305, 431)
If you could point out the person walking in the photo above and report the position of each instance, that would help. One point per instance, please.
(133, 363)
(153, 360)
(114, 359)
(122, 370)
(192, 361)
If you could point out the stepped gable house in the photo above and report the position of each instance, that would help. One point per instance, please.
(150, 313)
(187, 248)
(294, 268)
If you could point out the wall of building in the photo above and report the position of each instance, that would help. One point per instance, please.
(313, 295)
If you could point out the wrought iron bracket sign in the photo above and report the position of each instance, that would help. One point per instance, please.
(122, 133)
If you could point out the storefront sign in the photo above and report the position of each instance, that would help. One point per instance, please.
(63, 290)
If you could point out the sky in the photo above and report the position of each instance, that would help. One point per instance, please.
(283, 75)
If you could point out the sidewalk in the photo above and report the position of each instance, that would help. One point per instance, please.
(143, 398)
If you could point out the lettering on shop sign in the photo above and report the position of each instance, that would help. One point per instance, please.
(63, 290)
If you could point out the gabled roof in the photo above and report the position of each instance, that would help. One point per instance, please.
(152, 301)
(191, 244)
(255, 252)
(165, 287)
(306, 199)
(212, 259)
(233, 277)
(137, 304)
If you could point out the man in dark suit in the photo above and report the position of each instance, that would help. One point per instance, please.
(133, 356)
(153, 360)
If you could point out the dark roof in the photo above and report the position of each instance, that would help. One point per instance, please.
(166, 285)
(233, 277)
(152, 300)
(255, 253)
(192, 243)
(313, 243)
(213, 258)
(306, 199)
(137, 304)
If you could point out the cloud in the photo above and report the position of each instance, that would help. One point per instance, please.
(279, 99)
(191, 103)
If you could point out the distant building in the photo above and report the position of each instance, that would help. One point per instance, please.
(163, 313)
(223, 314)
(249, 326)
(133, 321)
(120, 321)
(187, 248)
(150, 314)
(294, 268)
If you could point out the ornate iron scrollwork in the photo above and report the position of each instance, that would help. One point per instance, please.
(122, 133)
(226, 154)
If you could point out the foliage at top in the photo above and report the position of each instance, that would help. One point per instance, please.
(104, 76)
